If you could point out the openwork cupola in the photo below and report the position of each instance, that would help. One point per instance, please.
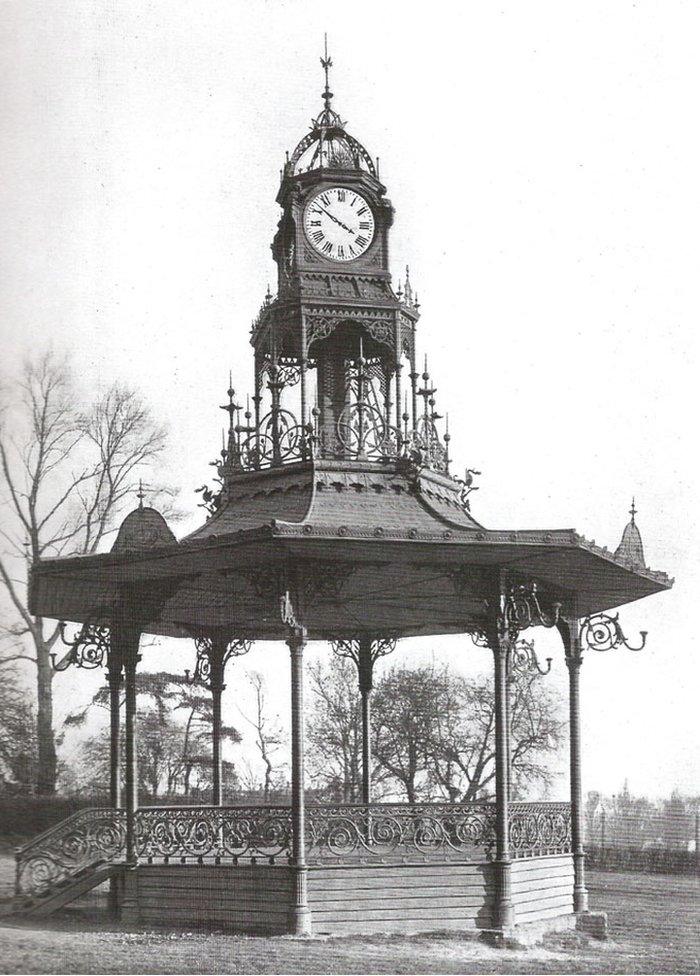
(328, 145)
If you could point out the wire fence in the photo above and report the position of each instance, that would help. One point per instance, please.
(647, 841)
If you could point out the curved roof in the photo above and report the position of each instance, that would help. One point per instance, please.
(144, 528)
(335, 496)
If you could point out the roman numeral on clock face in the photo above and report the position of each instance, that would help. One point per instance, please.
(339, 223)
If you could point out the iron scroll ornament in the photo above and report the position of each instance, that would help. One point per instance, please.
(203, 666)
(603, 632)
(89, 648)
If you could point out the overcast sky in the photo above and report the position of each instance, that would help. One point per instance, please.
(543, 162)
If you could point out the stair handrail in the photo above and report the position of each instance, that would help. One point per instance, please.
(55, 863)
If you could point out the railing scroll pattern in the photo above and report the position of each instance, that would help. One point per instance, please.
(355, 833)
(213, 833)
(536, 829)
(82, 840)
(387, 831)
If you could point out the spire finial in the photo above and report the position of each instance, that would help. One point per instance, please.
(326, 64)
(140, 494)
(633, 510)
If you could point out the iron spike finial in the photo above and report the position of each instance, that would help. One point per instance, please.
(140, 494)
(326, 64)
(633, 510)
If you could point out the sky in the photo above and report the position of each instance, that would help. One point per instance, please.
(542, 159)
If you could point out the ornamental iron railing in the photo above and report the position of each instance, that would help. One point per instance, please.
(85, 839)
(535, 829)
(354, 833)
(382, 831)
(214, 832)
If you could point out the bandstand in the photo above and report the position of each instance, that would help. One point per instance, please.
(335, 518)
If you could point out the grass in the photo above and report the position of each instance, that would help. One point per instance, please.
(654, 925)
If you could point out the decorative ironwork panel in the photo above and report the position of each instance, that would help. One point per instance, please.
(391, 831)
(536, 829)
(83, 839)
(213, 832)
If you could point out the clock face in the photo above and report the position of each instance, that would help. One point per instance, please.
(339, 223)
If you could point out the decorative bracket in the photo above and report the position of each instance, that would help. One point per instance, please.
(355, 649)
(522, 609)
(523, 660)
(211, 665)
(89, 648)
(603, 632)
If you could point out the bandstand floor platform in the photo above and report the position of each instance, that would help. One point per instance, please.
(347, 898)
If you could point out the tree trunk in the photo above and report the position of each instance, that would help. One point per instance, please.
(46, 745)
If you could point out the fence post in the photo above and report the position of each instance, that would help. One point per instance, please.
(697, 840)
(602, 835)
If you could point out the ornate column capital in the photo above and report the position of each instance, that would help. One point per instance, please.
(213, 654)
(365, 652)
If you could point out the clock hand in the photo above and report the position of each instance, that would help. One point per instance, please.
(339, 222)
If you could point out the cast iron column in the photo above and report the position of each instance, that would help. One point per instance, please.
(126, 636)
(572, 643)
(216, 684)
(301, 917)
(114, 680)
(501, 645)
(365, 682)
(130, 648)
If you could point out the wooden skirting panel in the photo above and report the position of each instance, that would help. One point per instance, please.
(244, 898)
(400, 897)
(542, 887)
(351, 898)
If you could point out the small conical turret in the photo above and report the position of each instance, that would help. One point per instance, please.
(631, 550)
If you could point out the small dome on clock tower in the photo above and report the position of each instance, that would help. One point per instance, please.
(328, 145)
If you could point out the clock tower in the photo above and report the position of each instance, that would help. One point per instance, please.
(336, 328)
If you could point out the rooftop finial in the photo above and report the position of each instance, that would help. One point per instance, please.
(140, 494)
(633, 510)
(326, 64)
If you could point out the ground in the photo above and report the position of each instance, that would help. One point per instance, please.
(654, 928)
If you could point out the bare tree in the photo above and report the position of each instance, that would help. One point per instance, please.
(460, 745)
(334, 731)
(432, 735)
(268, 733)
(65, 475)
